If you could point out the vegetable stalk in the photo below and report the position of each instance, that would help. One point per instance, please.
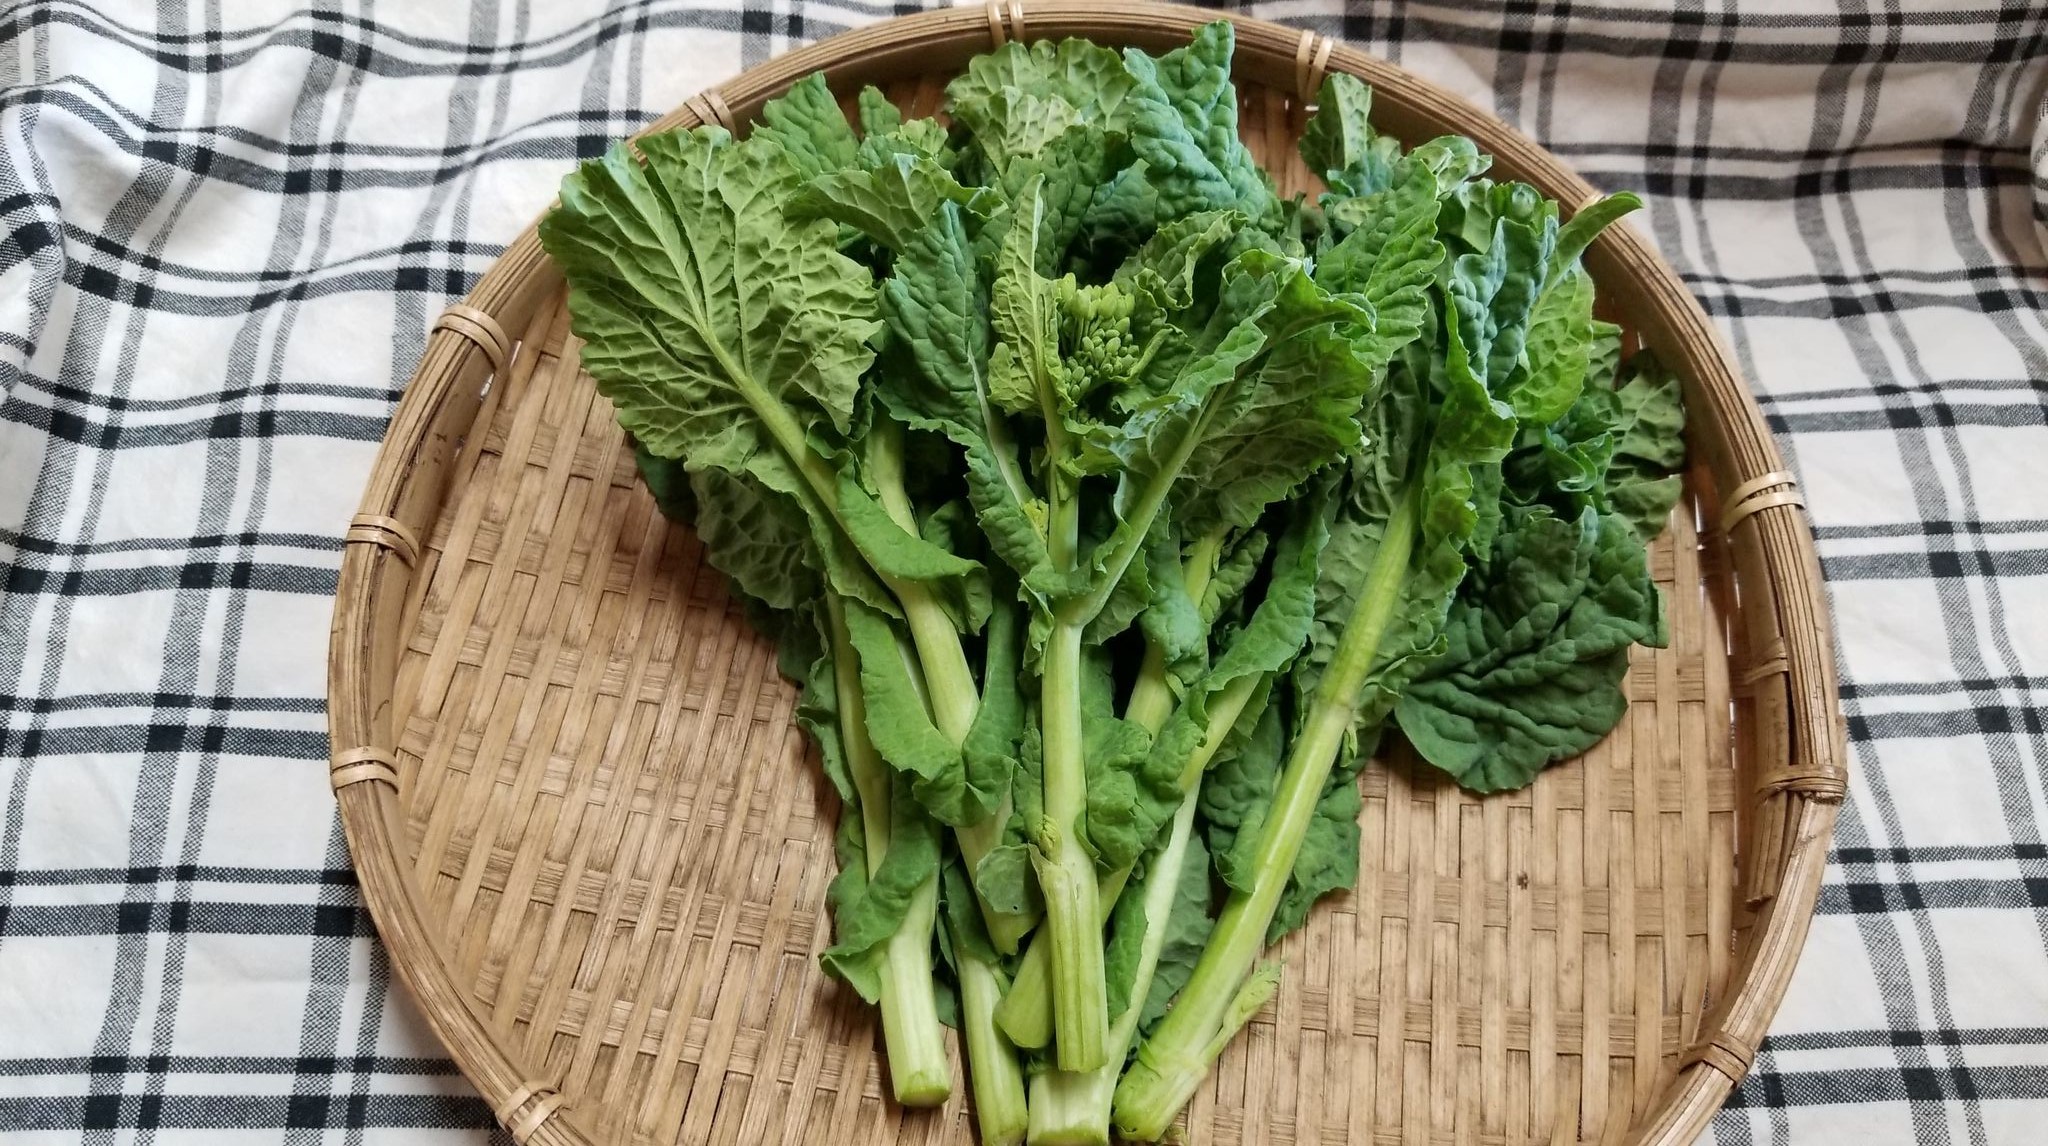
(999, 1105)
(1026, 1014)
(911, 1038)
(1072, 1108)
(1222, 993)
(1066, 873)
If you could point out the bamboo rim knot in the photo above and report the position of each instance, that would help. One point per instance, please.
(1311, 62)
(710, 108)
(1760, 493)
(1772, 661)
(1005, 21)
(546, 1101)
(1822, 784)
(384, 533)
(360, 764)
(480, 328)
(1722, 1053)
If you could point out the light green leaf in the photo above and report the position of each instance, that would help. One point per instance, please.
(1339, 143)
(1390, 258)
(709, 316)
(1557, 354)
(890, 201)
(867, 910)
(807, 124)
(1586, 223)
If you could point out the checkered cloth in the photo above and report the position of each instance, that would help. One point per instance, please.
(225, 235)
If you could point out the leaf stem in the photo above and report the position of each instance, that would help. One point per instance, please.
(1172, 1063)
(911, 1038)
(1066, 873)
(992, 1068)
(1026, 1014)
(950, 691)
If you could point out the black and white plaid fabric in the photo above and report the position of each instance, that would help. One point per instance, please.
(225, 228)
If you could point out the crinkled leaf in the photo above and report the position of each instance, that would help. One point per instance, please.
(1018, 98)
(1182, 122)
(1111, 749)
(806, 123)
(1237, 795)
(1339, 143)
(1536, 650)
(889, 201)
(701, 304)
(1390, 257)
(760, 539)
(1557, 354)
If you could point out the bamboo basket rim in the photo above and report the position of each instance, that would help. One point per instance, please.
(452, 391)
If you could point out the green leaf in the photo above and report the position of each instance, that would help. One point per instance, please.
(1492, 291)
(760, 539)
(669, 483)
(1649, 445)
(1587, 222)
(964, 930)
(1557, 355)
(1178, 268)
(1299, 416)
(1266, 644)
(1111, 748)
(1172, 620)
(1005, 880)
(1070, 169)
(1432, 457)
(1182, 113)
(888, 547)
(867, 910)
(941, 778)
(1017, 99)
(890, 201)
(1237, 795)
(1536, 650)
(937, 304)
(1339, 143)
(1603, 355)
(989, 753)
(1390, 257)
(878, 116)
(807, 124)
(709, 317)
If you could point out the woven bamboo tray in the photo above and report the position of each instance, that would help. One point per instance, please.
(597, 847)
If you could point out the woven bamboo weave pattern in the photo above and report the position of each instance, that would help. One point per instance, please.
(602, 867)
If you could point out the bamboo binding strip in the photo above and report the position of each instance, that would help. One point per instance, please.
(596, 844)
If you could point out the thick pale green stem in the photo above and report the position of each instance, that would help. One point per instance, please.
(1066, 873)
(992, 1066)
(1026, 1014)
(1174, 1060)
(911, 1037)
(1072, 1109)
(950, 692)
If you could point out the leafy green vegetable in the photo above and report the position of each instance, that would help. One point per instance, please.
(1064, 459)
(1536, 650)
